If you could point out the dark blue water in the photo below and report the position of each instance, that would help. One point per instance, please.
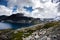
(13, 25)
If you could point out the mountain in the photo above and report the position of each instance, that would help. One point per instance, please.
(19, 18)
(3, 17)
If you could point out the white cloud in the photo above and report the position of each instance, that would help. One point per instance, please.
(45, 10)
(55, 1)
(4, 10)
(19, 3)
(42, 8)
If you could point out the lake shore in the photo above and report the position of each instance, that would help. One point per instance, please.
(33, 27)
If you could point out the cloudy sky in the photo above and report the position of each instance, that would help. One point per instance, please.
(33, 8)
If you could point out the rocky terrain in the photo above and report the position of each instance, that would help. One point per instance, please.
(44, 31)
(52, 33)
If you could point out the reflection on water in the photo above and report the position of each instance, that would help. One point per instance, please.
(13, 25)
(5, 25)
